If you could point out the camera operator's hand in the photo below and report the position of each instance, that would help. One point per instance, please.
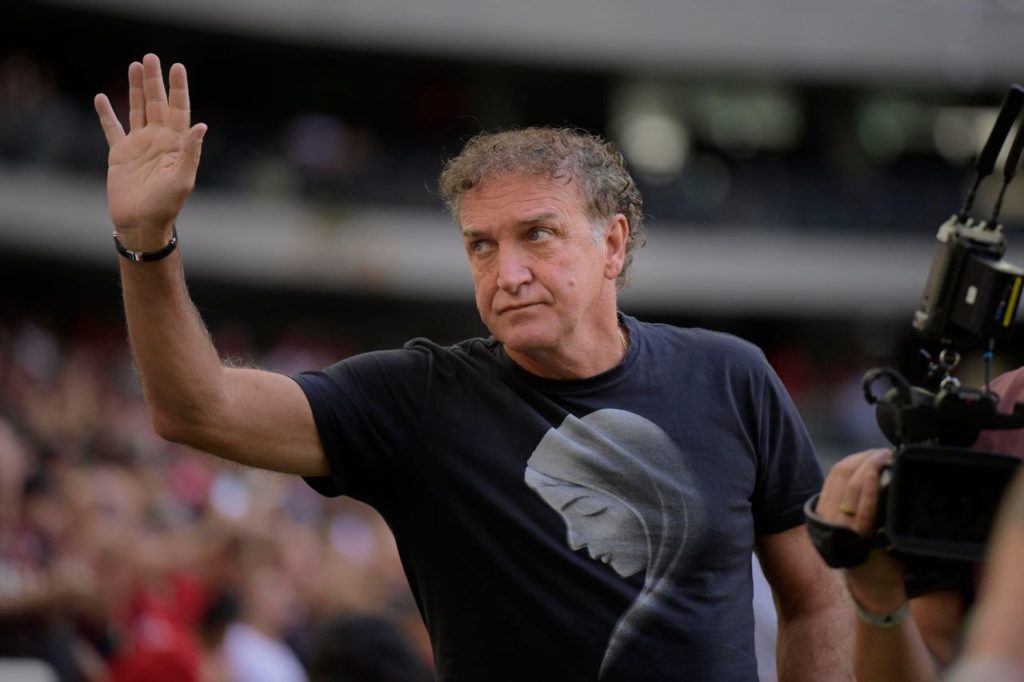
(850, 498)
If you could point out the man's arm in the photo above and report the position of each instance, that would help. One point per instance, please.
(257, 418)
(815, 617)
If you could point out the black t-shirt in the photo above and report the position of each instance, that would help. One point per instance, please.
(580, 529)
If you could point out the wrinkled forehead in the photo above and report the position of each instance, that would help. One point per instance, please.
(528, 193)
(559, 181)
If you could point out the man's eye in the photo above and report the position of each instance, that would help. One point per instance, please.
(538, 234)
(479, 246)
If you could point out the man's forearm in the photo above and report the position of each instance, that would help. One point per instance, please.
(887, 642)
(916, 648)
(898, 654)
(816, 645)
(176, 360)
(257, 418)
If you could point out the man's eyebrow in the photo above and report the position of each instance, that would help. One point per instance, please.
(470, 232)
(539, 218)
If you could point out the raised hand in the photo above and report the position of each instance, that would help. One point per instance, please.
(152, 169)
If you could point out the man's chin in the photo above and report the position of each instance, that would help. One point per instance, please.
(522, 342)
(523, 332)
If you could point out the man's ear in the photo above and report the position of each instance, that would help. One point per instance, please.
(615, 245)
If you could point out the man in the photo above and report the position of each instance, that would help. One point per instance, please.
(664, 453)
(906, 636)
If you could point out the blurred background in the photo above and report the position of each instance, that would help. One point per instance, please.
(796, 158)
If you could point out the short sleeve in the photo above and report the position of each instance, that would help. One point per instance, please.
(368, 411)
(788, 469)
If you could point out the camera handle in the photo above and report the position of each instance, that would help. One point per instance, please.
(903, 388)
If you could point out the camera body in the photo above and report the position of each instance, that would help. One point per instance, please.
(940, 501)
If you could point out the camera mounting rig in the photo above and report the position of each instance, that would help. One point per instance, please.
(939, 498)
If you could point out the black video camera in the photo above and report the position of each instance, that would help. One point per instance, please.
(939, 498)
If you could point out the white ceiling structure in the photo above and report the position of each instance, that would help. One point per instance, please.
(964, 43)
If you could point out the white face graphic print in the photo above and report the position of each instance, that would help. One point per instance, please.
(620, 484)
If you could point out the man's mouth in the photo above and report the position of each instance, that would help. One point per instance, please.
(514, 308)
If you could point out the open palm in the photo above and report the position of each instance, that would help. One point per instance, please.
(152, 168)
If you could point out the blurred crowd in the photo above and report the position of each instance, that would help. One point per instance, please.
(124, 557)
(127, 558)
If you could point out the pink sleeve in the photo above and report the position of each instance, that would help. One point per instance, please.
(1010, 387)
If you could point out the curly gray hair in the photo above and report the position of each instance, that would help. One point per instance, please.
(606, 187)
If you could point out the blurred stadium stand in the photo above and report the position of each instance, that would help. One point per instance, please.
(796, 157)
(836, 137)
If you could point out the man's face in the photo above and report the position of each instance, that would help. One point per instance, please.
(539, 274)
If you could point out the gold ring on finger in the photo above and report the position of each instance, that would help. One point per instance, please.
(847, 510)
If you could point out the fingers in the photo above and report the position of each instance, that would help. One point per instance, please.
(178, 114)
(153, 90)
(136, 100)
(148, 100)
(112, 129)
(833, 493)
(851, 491)
(863, 492)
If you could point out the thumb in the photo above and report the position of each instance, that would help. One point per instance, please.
(193, 150)
(194, 142)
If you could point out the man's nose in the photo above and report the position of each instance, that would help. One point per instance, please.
(513, 269)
